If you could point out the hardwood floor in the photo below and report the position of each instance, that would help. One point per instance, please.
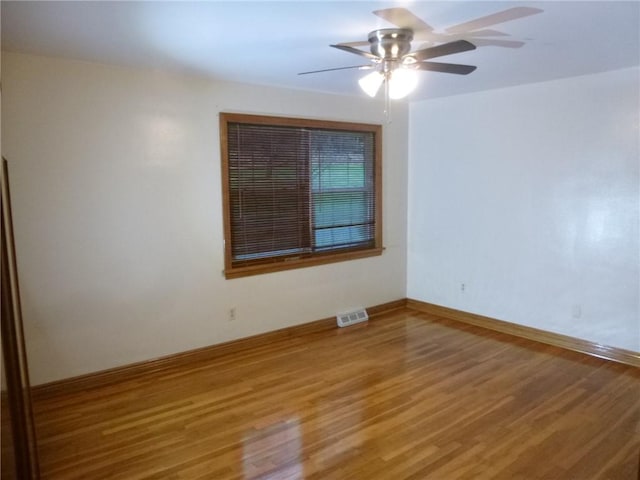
(405, 396)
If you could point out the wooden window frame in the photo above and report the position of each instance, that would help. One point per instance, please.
(275, 264)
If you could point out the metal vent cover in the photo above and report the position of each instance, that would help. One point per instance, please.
(349, 318)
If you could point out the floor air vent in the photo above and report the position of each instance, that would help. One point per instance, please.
(349, 318)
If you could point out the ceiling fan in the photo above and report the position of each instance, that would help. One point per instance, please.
(395, 65)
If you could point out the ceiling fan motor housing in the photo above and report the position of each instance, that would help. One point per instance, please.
(391, 43)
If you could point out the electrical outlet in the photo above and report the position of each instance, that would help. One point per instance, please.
(232, 314)
(463, 287)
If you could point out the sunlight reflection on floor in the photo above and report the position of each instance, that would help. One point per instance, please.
(273, 452)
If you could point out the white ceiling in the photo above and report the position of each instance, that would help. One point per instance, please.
(269, 42)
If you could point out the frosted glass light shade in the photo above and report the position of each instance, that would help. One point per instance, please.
(371, 82)
(403, 81)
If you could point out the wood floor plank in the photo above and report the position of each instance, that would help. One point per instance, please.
(406, 396)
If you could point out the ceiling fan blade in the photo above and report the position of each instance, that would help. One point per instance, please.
(487, 32)
(444, 49)
(362, 43)
(362, 53)
(403, 18)
(359, 67)
(446, 67)
(490, 42)
(493, 19)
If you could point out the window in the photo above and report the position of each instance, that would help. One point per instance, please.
(298, 192)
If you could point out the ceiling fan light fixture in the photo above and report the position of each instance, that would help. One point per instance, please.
(371, 83)
(402, 81)
(393, 62)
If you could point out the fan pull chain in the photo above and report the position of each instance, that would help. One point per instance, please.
(387, 101)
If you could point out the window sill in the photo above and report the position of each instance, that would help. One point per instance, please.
(238, 272)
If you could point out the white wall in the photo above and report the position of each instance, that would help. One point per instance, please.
(529, 196)
(117, 209)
